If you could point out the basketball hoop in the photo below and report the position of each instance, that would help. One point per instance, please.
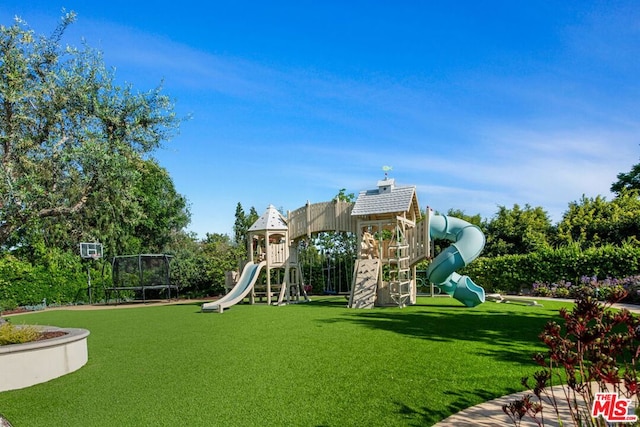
(91, 250)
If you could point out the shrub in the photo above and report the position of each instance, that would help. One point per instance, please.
(8, 304)
(541, 290)
(595, 350)
(514, 272)
(591, 285)
(11, 334)
(59, 277)
(561, 293)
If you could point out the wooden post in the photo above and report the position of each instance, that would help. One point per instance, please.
(414, 286)
(267, 248)
(250, 246)
(308, 212)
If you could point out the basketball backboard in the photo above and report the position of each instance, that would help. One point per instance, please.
(91, 250)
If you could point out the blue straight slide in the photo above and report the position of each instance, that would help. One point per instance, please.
(468, 241)
(247, 279)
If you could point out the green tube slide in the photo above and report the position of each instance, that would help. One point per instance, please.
(468, 241)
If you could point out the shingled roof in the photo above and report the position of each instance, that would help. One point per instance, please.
(387, 198)
(271, 220)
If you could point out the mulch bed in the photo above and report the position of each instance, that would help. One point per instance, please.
(47, 335)
(14, 311)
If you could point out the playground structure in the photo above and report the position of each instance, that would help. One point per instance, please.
(392, 239)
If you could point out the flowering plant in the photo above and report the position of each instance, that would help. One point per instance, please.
(595, 350)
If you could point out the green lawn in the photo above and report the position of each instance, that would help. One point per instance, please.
(315, 364)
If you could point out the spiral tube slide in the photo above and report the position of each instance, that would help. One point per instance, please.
(468, 241)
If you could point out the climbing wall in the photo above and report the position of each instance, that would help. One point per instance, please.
(363, 291)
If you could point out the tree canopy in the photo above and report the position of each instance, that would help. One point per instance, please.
(517, 231)
(627, 180)
(592, 222)
(75, 148)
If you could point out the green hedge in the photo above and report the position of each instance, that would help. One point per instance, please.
(59, 277)
(512, 273)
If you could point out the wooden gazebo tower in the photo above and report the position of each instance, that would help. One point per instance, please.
(269, 241)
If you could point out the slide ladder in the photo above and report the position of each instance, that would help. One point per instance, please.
(399, 270)
(292, 290)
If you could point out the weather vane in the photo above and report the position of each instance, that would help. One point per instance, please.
(386, 170)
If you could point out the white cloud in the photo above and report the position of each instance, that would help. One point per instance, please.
(475, 143)
(548, 169)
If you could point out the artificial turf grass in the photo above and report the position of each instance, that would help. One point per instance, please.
(306, 364)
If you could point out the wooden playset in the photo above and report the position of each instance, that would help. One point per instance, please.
(393, 238)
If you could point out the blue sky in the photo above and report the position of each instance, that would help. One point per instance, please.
(477, 104)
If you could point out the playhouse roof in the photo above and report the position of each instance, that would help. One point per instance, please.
(387, 198)
(271, 220)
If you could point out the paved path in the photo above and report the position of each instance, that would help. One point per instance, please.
(122, 305)
(490, 414)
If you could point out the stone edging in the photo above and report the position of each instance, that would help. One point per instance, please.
(27, 364)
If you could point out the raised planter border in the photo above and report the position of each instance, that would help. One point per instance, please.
(24, 365)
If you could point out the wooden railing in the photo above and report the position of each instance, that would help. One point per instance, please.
(277, 253)
(419, 243)
(318, 217)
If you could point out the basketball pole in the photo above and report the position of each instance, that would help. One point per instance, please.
(89, 282)
(90, 251)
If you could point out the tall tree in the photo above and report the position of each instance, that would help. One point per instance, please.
(517, 231)
(596, 221)
(71, 140)
(252, 217)
(240, 226)
(627, 180)
(343, 196)
(164, 212)
(222, 255)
